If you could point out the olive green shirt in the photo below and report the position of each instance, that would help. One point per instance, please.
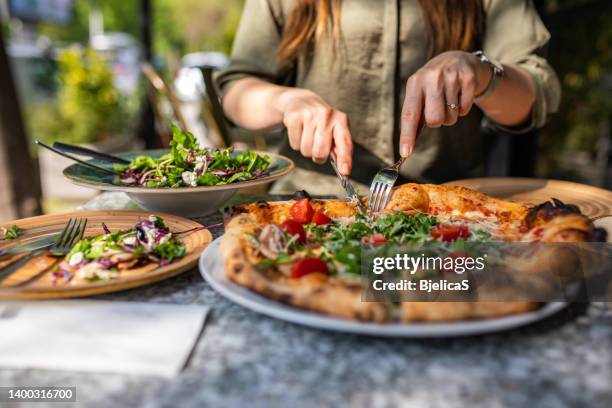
(383, 43)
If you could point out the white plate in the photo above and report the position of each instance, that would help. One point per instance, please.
(211, 268)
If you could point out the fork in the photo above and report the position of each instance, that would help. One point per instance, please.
(381, 186)
(384, 180)
(72, 233)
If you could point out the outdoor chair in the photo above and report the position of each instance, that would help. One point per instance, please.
(230, 134)
(162, 97)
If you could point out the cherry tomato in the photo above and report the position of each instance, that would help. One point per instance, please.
(319, 218)
(302, 211)
(374, 239)
(309, 265)
(450, 232)
(293, 227)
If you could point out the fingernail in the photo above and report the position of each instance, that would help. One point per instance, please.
(345, 169)
(405, 150)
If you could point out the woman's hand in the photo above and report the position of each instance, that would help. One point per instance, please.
(440, 92)
(316, 129)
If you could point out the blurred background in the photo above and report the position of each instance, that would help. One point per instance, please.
(113, 74)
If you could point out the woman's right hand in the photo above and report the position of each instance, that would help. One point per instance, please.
(316, 129)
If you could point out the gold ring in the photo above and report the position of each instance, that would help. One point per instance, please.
(452, 106)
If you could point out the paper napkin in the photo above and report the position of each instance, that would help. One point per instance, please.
(99, 336)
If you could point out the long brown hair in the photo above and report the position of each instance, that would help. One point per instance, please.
(452, 25)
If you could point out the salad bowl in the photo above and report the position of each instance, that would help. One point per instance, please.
(186, 201)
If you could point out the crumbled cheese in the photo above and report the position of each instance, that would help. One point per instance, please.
(165, 238)
(89, 271)
(94, 271)
(129, 240)
(150, 234)
(76, 259)
(122, 257)
(201, 165)
(189, 178)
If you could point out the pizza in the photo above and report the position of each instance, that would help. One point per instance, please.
(305, 252)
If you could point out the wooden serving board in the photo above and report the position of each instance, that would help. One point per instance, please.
(593, 202)
(48, 225)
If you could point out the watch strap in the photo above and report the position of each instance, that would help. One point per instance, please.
(496, 76)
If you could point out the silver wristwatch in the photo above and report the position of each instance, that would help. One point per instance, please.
(498, 74)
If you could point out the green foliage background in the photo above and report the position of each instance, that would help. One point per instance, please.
(582, 58)
(179, 26)
(88, 107)
(582, 61)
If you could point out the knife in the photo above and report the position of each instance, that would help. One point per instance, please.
(30, 246)
(83, 151)
(347, 186)
(76, 159)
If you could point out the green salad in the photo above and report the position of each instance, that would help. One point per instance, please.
(102, 257)
(189, 165)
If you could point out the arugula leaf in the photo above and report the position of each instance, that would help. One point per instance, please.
(82, 246)
(280, 259)
(11, 233)
(403, 228)
(143, 163)
(481, 235)
(181, 146)
(158, 222)
(171, 250)
(208, 179)
(349, 254)
(243, 175)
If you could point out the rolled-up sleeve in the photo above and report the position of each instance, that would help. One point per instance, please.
(255, 45)
(516, 35)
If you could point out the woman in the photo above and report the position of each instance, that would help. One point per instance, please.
(360, 77)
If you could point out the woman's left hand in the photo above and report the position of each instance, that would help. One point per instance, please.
(440, 92)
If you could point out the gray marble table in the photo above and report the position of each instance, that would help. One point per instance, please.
(247, 360)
